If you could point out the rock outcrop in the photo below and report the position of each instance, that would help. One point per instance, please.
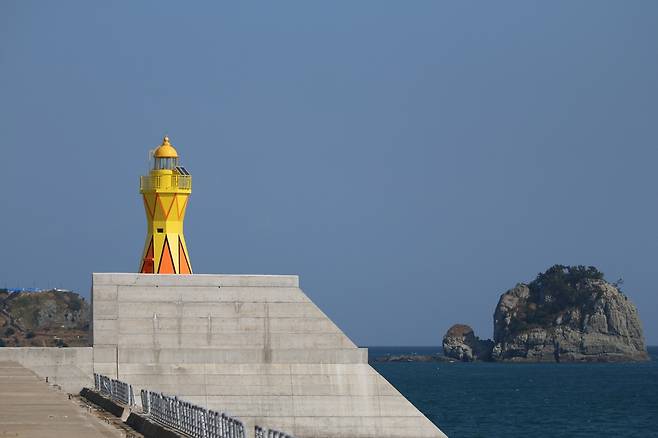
(567, 314)
(413, 358)
(604, 327)
(461, 343)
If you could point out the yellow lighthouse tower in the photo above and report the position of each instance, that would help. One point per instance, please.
(165, 191)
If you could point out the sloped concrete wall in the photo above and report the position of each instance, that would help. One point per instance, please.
(71, 367)
(255, 347)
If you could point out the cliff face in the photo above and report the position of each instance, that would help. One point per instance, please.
(593, 322)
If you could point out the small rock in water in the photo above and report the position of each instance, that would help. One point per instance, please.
(461, 343)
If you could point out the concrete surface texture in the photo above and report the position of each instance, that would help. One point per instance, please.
(70, 368)
(255, 347)
(30, 408)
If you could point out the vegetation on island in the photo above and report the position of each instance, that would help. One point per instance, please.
(552, 292)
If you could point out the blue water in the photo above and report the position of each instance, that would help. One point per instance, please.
(468, 400)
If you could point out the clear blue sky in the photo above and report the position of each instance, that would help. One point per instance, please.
(409, 160)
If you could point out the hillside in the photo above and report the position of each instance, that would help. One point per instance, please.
(50, 318)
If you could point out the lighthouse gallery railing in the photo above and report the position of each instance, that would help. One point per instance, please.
(165, 182)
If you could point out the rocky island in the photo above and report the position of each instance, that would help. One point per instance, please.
(567, 314)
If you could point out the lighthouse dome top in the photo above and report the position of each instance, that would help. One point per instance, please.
(165, 150)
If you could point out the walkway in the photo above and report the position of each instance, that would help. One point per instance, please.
(29, 408)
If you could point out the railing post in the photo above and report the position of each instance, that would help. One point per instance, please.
(177, 407)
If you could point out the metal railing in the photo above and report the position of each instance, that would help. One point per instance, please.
(116, 389)
(165, 182)
(184, 417)
(259, 432)
(190, 419)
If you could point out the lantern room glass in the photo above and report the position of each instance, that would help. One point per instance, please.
(165, 163)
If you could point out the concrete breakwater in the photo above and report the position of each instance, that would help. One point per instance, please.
(254, 346)
(71, 368)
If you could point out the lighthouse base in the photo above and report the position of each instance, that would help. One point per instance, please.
(253, 346)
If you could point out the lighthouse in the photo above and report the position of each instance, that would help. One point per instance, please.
(165, 190)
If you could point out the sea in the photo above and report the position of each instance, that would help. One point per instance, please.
(540, 400)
